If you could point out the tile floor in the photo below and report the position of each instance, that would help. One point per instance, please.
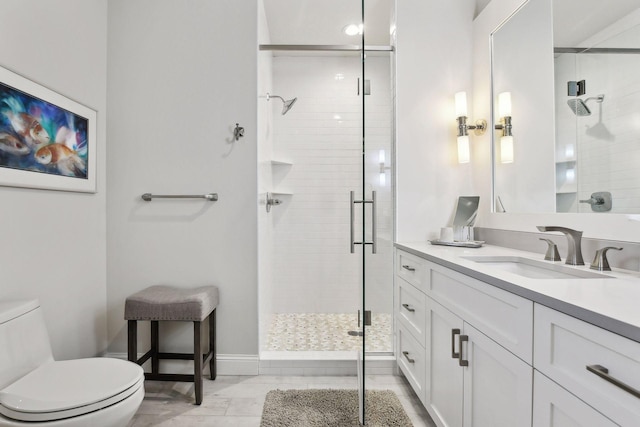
(237, 400)
(327, 332)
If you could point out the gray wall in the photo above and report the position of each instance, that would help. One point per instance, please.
(53, 243)
(181, 75)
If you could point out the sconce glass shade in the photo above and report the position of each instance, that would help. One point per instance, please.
(463, 149)
(461, 104)
(504, 104)
(506, 149)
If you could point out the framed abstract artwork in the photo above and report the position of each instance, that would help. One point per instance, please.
(47, 141)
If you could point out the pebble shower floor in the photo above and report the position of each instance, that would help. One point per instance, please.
(327, 332)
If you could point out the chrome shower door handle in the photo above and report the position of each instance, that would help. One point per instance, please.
(374, 224)
(374, 232)
(352, 225)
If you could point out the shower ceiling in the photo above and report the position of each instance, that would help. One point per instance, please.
(322, 21)
(576, 21)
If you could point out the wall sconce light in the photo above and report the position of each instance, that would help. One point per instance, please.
(463, 136)
(506, 140)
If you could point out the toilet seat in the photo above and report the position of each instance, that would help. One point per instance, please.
(64, 389)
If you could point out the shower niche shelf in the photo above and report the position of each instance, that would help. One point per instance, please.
(280, 163)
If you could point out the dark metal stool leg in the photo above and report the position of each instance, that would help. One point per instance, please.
(197, 362)
(155, 346)
(212, 344)
(132, 345)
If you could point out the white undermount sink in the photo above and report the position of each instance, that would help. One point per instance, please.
(535, 269)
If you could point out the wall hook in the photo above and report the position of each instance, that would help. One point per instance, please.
(238, 132)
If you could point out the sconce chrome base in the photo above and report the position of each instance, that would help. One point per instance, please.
(479, 128)
(505, 126)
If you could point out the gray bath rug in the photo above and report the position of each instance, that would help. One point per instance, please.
(331, 408)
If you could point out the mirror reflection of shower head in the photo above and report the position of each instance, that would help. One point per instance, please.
(579, 107)
(287, 104)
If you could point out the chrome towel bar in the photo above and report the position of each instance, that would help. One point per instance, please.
(147, 197)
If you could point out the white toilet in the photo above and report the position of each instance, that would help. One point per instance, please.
(36, 390)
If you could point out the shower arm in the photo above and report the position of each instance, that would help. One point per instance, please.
(269, 96)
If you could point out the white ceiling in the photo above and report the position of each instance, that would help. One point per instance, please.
(576, 20)
(321, 21)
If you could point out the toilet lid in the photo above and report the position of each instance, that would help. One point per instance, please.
(69, 388)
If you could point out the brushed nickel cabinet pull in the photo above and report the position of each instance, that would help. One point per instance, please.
(408, 267)
(454, 354)
(408, 308)
(461, 339)
(603, 373)
(406, 355)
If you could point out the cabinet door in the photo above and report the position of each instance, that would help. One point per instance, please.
(443, 382)
(556, 407)
(498, 386)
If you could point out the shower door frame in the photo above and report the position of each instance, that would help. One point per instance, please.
(361, 360)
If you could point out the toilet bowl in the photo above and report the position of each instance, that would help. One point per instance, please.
(36, 390)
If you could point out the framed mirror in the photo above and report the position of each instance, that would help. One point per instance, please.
(572, 68)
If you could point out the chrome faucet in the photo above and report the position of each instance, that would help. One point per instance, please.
(574, 238)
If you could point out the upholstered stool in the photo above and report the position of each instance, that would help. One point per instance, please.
(158, 303)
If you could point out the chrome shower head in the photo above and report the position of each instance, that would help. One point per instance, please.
(579, 107)
(287, 104)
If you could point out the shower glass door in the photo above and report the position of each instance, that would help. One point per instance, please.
(326, 267)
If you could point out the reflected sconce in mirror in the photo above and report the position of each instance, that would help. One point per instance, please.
(383, 168)
(506, 140)
(464, 155)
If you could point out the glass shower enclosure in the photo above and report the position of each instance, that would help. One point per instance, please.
(325, 151)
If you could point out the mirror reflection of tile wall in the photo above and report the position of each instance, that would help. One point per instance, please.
(600, 151)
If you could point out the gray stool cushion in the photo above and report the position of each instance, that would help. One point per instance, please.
(171, 303)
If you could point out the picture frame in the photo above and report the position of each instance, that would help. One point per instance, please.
(47, 141)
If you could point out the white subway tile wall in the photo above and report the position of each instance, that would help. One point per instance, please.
(321, 138)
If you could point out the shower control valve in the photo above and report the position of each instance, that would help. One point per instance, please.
(238, 132)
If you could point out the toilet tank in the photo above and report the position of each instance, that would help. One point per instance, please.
(24, 341)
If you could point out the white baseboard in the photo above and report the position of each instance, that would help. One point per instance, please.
(319, 364)
(228, 364)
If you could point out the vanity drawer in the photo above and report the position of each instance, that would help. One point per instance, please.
(410, 309)
(566, 346)
(411, 268)
(502, 316)
(411, 358)
(553, 406)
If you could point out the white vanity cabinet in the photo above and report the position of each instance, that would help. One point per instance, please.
(471, 376)
(495, 355)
